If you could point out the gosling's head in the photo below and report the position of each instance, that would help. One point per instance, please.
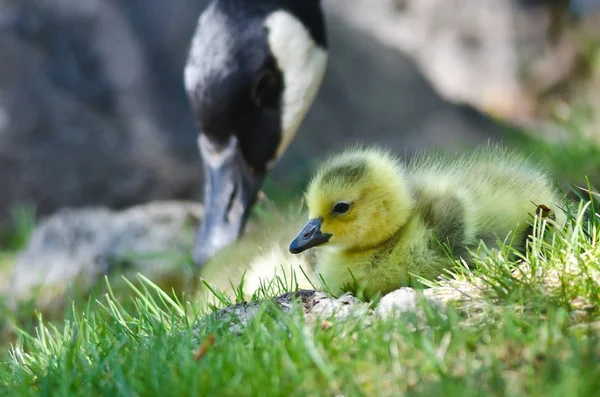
(357, 200)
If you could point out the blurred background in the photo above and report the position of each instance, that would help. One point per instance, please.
(93, 111)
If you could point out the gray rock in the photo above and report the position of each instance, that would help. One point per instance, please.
(317, 305)
(497, 55)
(93, 110)
(80, 246)
(407, 300)
(83, 113)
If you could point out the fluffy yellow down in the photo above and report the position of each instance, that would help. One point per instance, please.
(400, 212)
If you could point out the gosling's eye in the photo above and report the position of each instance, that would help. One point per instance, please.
(341, 207)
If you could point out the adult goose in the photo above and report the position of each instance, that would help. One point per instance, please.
(253, 70)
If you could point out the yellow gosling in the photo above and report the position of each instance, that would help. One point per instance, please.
(382, 221)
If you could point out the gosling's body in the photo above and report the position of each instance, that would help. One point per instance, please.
(400, 213)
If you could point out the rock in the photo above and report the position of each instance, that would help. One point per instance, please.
(404, 300)
(80, 246)
(500, 56)
(85, 117)
(319, 306)
(93, 110)
(316, 305)
(412, 306)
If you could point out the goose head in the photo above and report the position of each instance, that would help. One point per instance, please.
(356, 201)
(253, 71)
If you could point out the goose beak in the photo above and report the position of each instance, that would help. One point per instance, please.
(310, 236)
(231, 189)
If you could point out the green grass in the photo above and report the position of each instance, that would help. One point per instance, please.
(573, 162)
(530, 328)
(12, 239)
(526, 328)
(15, 237)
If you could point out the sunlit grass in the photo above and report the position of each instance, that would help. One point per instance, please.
(527, 327)
(573, 158)
(512, 327)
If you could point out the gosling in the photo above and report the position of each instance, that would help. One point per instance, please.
(383, 224)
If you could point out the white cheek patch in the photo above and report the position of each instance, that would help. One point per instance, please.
(302, 62)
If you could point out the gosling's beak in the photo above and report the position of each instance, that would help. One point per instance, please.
(309, 237)
(231, 189)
